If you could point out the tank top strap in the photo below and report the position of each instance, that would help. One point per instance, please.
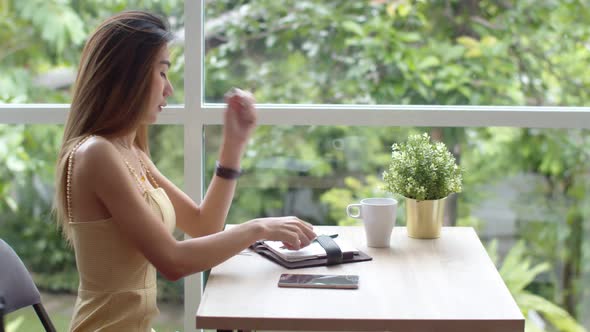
(69, 169)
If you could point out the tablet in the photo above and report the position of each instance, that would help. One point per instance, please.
(319, 281)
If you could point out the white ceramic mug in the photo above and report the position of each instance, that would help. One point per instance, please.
(378, 215)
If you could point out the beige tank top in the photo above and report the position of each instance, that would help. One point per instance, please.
(117, 290)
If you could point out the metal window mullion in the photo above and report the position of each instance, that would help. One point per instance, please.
(408, 116)
(57, 114)
(193, 136)
(33, 113)
(349, 115)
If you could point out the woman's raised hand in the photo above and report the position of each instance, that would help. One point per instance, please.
(292, 231)
(239, 117)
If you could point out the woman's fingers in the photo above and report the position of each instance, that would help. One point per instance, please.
(242, 103)
(291, 240)
(244, 100)
(303, 230)
(306, 228)
(292, 231)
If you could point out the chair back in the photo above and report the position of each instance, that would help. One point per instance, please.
(17, 289)
(16, 285)
(1, 313)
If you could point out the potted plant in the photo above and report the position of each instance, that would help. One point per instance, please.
(425, 173)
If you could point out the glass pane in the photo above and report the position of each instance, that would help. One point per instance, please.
(525, 191)
(28, 154)
(41, 43)
(400, 52)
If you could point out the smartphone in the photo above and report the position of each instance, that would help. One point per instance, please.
(319, 281)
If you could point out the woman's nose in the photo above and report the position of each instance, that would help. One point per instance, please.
(169, 90)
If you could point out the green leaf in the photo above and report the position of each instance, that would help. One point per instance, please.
(353, 27)
(404, 9)
(409, 37)
(492, 250)
(429, 61)
(468, 42)
(516, 269)
(557, 316)
(13, 326)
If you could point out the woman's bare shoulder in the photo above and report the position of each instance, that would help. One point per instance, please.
(96, 152)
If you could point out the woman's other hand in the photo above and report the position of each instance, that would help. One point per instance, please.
(292, 231)
(239, 116)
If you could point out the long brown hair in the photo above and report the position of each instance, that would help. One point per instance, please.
(112, 88)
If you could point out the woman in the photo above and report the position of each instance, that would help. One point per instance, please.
(113, 204)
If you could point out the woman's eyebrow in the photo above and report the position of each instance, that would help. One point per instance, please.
(165, 62)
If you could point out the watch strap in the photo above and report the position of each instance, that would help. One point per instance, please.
(226, 172)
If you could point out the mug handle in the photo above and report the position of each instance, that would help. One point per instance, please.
(352, 206)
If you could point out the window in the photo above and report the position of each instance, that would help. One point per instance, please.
(42, 43)
(398, 52)
(505, 85)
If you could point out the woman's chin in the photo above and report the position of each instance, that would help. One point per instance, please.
(149, 120)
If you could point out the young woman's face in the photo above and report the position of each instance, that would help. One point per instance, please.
(161, 87)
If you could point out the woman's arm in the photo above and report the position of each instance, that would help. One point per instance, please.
(109, 179)
(198, 221)
(209, 218)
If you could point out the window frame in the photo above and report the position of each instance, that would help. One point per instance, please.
(195, 114)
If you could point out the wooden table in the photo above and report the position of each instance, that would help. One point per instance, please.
(446, 284)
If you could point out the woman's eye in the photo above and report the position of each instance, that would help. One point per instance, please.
(163, 74)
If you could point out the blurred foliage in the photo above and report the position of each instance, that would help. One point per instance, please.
(40, 46)
(451, 52)
(400, 52)
(518, 272)
(14, 325)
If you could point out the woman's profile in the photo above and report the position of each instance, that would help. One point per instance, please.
(116, 208)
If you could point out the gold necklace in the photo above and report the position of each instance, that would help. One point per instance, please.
(122, 147)
(148, 172)
(143, 170)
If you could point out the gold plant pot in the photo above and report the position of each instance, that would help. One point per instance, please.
(424, 219)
